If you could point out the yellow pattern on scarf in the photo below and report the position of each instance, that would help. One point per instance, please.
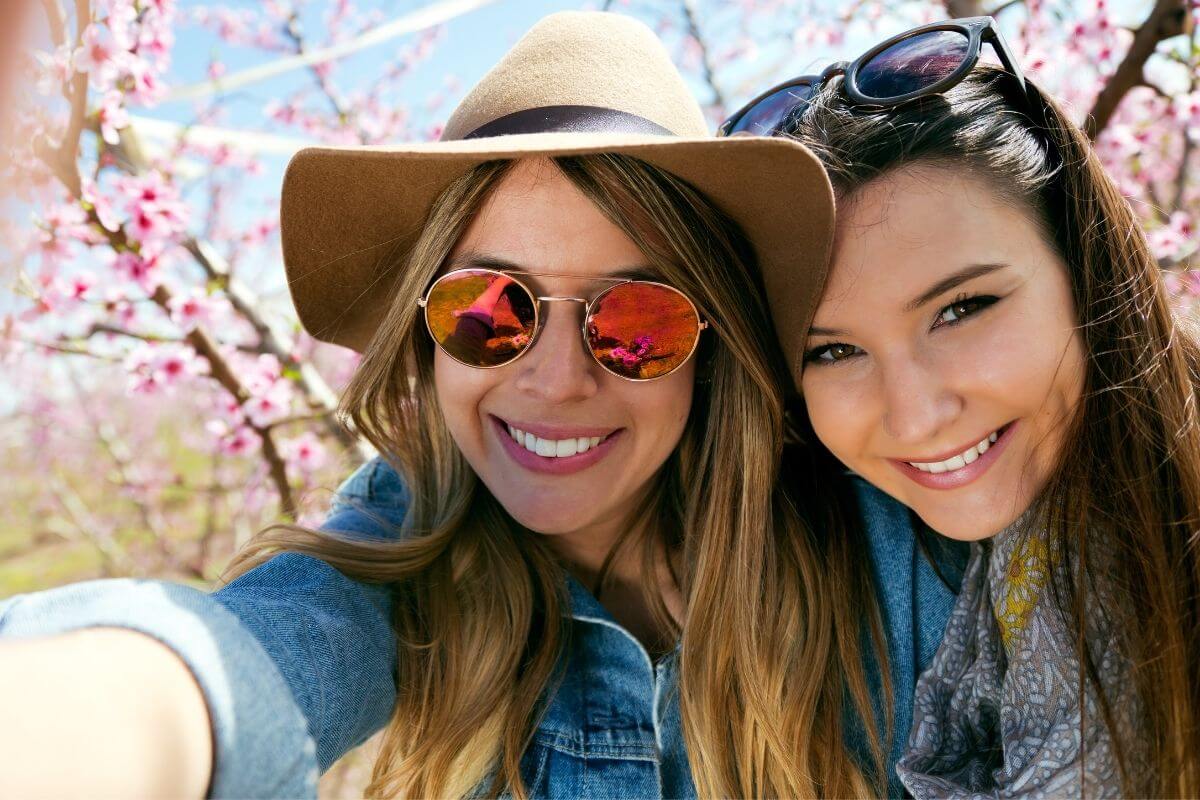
(1024, 578)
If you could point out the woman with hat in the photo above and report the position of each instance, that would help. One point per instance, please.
(996, 350)
(592, 580)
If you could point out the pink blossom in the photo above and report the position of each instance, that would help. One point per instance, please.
(191, 309)
(112, 117)
(54, 69)
(122, 21)
(142, 84)
(260, 374)
(260, 231)
(162, 367)
(155, 213)
(156, 41)
(305, 453)
(101, 205)
(77, 286)
(240, 441)
(121, 309)
(270, 406)
(1175, 240)
(138, 268)
(1187, 108)
(95, 56)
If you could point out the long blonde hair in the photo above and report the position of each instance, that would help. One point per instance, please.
(770, 647)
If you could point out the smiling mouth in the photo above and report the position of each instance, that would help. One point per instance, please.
(961, 460)
(558, 447)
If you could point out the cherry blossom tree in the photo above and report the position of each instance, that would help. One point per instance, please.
(160, 401)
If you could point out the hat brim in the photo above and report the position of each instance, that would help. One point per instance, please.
(350, 215)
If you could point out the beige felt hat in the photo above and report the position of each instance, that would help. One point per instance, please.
(576, 83)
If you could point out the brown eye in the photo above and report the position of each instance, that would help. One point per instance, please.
(832, 352)
(961, 309)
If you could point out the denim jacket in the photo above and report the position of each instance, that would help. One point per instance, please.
(296, 661)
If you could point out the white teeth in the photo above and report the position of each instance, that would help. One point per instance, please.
(518, 436)
(959, 461)
(553, 448)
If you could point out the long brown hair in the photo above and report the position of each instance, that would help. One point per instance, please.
(1130, 470)
(772, 640)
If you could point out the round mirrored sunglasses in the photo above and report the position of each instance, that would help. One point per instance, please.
(638, 330)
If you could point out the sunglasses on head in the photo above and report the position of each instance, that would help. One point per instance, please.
(923, 61)
(636, 329)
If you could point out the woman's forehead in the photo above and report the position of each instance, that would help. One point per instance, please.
(903, 233)
(535, 220)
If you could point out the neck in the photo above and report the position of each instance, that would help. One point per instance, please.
(621, 586)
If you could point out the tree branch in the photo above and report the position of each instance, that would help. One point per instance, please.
(87, 526)
(422, 18)
(706, 62)
(1181, 175)
(56, 20)
(1167, 19)
(964, 8)
(292, 29)
(1004, 6)
(77, 96)
(119, 453)
(66, 349)
(273, 339)
(200, 341)
(276, 342)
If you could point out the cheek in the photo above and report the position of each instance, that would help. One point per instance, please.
(1029, 357)
(459, 390)
(661, 408)
(838, 411)
(657, 413)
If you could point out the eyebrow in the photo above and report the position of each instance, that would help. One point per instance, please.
(939, 288)
(950, 281)
(636, 272)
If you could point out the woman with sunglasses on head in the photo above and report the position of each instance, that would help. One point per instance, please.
(995, 349)
(589, 560)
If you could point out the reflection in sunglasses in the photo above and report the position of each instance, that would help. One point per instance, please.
(636, 329)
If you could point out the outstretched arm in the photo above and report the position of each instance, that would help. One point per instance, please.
(133, 697)
(293, 660)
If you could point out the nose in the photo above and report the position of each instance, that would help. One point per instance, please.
(557, 369)
(919, 401)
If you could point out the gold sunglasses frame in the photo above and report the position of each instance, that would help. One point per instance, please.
(423, 302)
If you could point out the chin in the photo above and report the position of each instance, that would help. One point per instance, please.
(539, 518)
(969, 525)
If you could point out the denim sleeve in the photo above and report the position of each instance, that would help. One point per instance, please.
(261, 743)
(331, 636)
(295, 660)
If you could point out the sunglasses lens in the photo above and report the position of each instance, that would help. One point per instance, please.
(642, 330)
(913, 64)
(480, 318)
(773, 113)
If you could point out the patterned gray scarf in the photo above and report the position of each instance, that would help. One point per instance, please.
(998, 712)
